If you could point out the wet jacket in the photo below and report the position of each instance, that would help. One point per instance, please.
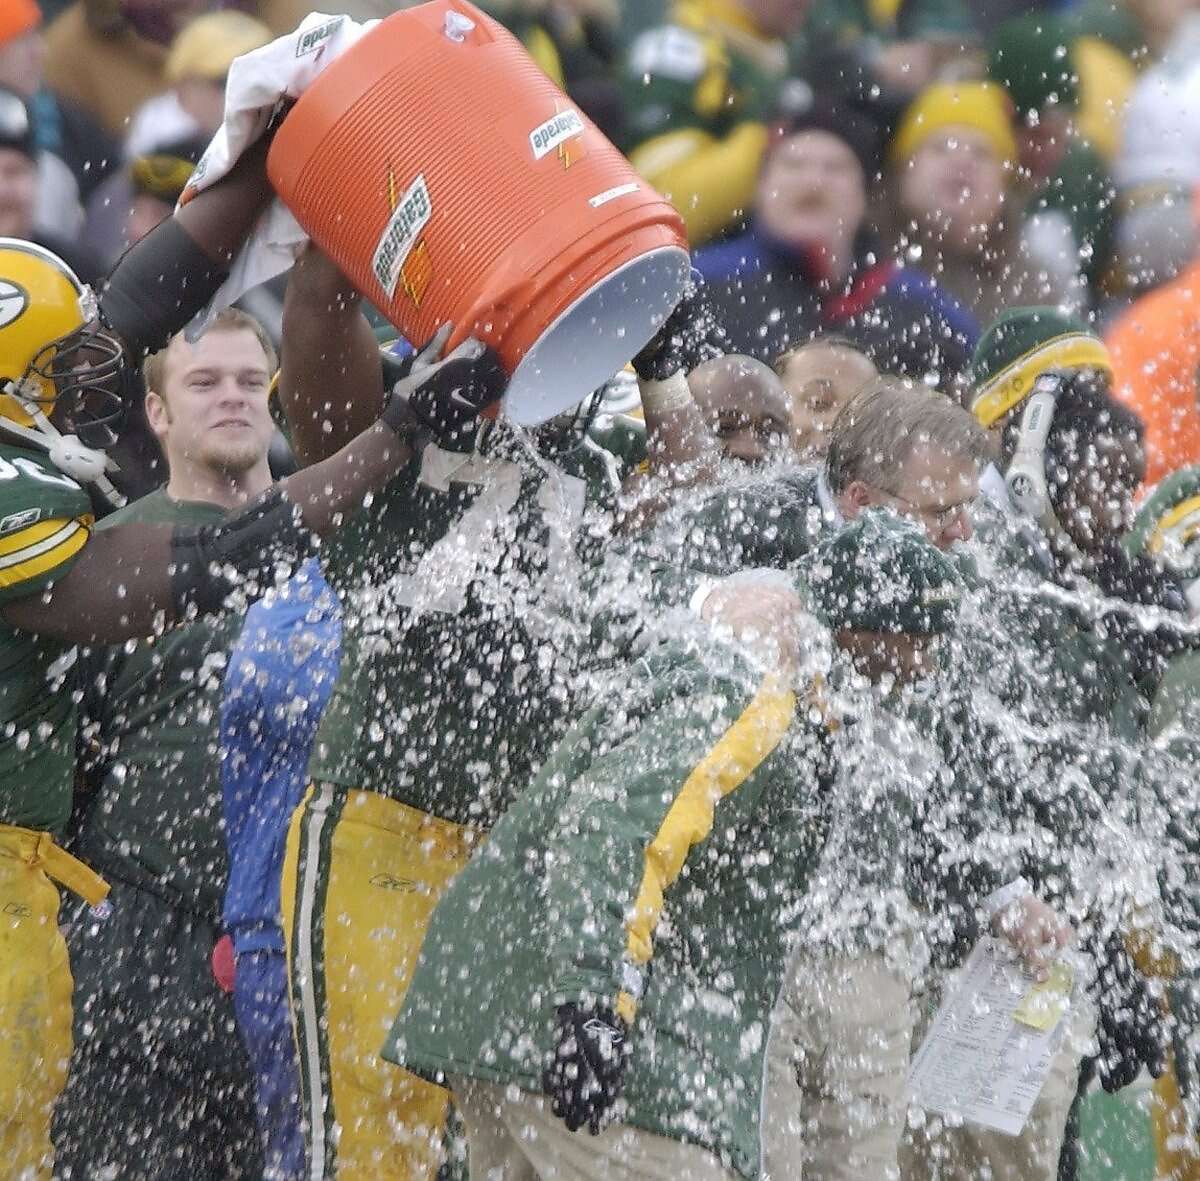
(652, 866)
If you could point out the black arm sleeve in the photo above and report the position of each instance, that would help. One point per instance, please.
(160, 283)
(242, 553)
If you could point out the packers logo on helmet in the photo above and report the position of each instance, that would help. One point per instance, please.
(54, 359)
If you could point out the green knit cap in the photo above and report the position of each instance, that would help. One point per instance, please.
(1167, 526)
(1031, 57)
(1020, 345)
(881, 574)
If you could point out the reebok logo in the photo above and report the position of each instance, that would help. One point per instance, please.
(21, 520)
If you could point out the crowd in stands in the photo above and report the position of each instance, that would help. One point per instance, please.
(895, 173)
(892, 205)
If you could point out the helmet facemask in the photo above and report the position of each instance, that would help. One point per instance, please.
(80, 381)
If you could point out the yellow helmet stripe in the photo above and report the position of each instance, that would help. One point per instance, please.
(1011, 385)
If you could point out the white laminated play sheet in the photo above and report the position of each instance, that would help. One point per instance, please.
(989, 1049)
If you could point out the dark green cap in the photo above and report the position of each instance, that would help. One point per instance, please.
(1167, 527)
(1031, 57)
(881, 574)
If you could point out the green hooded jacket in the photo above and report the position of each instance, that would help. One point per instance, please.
(652, 866)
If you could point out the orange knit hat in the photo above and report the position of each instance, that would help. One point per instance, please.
(18, 17)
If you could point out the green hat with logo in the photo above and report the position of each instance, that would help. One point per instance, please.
(881, 574)
(1167, 527)
(1031, 57)
(1020, 345)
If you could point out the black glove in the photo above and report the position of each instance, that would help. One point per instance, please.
(1129, 1026)
(447, 396)
(587, 1069)
(689, 336)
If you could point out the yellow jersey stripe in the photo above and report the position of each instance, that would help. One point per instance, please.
(689, 820)
(31, 534)
(40, 544)
(39, 559)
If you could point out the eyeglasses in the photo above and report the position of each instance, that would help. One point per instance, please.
(939, 518)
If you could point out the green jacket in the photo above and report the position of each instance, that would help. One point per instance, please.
(699, 88)
(844, 22)
(653, 865)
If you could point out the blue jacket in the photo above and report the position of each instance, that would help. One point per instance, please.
(278, 680)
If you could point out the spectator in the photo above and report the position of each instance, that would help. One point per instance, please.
(1070, 202)
(108, 57)
(809, 264)
(93, 43)
(1142, 29)
(820, 378)
(700, 87)
(196, 65)
(954, 205)
(882, 55)
(157, 179)
(61, 129)
(575, 42)
(1157, 168)
(1155, 350)
(20, 163)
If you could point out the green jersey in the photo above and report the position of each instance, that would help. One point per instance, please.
(154, 820)
(45, 521)
(461, 637)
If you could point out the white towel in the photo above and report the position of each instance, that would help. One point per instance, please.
(258, 82)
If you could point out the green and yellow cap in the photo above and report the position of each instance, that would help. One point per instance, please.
(1167, 527)
(1020, 345)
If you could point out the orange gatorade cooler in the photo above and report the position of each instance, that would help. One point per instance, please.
(453, 182)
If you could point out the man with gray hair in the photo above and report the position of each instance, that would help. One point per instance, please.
(895, 445)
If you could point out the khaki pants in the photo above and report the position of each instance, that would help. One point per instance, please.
(836, 1067)
(938, 1153)
(513, 1136)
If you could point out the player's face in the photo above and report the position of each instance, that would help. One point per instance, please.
(216, 402)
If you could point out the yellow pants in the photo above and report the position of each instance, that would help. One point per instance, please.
(361, 877)
(35, 994)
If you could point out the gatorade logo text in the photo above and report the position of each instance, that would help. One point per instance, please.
(547, 136)
(410, 217)
(312, 39)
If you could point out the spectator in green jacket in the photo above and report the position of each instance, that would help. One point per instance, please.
(883, 53)
(1070, 193)
(699, 89)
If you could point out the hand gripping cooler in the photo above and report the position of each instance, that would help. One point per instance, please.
(452, 181)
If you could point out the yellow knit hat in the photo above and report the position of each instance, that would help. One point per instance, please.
(982, 106)
(206, 46)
